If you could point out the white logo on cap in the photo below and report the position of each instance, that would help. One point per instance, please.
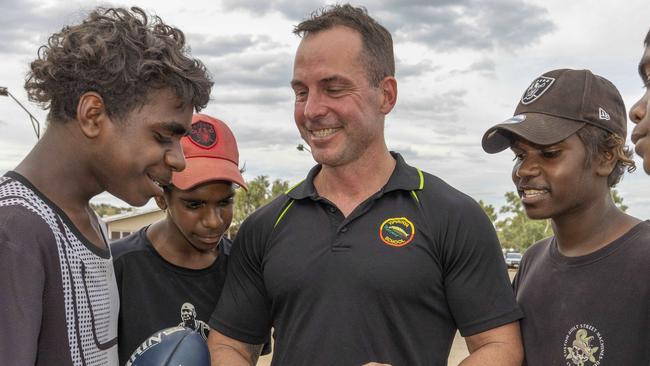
(538, 87)
(515, 119)
(602, 114)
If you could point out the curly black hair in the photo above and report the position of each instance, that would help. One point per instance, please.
(120, 54)
(598, 141)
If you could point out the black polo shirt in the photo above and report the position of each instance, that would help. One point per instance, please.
(390, 283)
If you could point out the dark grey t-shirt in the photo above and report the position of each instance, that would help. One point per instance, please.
(588, 310)
(58, 297)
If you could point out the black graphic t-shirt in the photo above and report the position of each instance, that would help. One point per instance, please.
(156, 294)
(589, 310)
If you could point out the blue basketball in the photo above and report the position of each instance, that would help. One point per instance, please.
(176, 346)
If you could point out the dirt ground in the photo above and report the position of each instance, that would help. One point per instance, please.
(457, 354)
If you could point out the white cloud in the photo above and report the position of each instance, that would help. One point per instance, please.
(461, 66)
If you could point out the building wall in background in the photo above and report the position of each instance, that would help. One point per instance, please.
(122, 225)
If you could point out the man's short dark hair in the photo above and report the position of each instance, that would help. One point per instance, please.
(599, 141)
(646, 42)
(377, 53)
(120, 54)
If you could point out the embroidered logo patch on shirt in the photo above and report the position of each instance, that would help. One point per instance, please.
(584, 346)
(396, 231)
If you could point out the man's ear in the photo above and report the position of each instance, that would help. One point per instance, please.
(160, 201)
(91, 114)
(605, 163)
(388, 90)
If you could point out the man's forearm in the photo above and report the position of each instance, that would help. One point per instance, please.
(500, 346)
(495, 354)
(227, 354)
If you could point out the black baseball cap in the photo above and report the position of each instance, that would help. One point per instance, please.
(556, 105)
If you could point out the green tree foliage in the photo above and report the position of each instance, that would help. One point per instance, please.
(105, 209)
(618, 201)
(260, 192)
(278, 187)
(517, 231)
(489, 210)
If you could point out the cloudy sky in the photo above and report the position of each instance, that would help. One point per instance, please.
(461, 67)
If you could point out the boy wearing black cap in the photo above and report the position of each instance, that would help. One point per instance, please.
(584, 291)
(640, 111)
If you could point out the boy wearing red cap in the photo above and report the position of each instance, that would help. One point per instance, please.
(584, 291)
(640, 111)
(172, 271)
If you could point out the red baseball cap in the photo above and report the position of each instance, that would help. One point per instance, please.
(210, 154)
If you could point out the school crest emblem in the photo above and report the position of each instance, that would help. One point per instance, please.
(397, 231)
(203, 135)
(538, 87)
(583, 346)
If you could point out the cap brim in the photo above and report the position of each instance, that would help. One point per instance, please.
(200, 170)
(538, 128)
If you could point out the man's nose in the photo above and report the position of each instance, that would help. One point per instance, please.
(314, 106)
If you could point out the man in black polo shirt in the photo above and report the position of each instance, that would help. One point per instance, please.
(368, 259)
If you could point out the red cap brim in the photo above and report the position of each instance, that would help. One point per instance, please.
(200, 170)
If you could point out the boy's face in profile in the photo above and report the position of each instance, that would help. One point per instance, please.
(202, 214)
(139, 152)
(555, 179)
(640, 114)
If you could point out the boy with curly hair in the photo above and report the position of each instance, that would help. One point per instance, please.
(121, 89)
